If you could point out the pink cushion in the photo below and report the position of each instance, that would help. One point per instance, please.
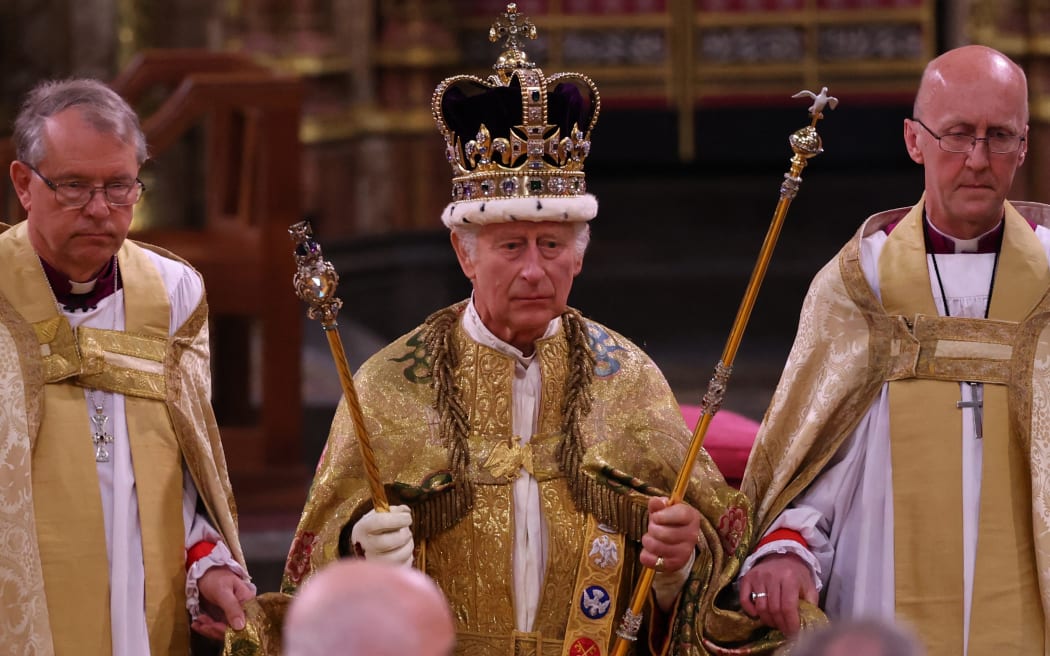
(728, 440)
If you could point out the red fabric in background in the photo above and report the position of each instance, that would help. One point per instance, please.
(728, 440)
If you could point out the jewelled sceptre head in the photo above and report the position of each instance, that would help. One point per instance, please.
(315, 283)
(806, 144)
(315, 278)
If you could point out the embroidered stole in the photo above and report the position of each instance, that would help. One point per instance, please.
(70, 529)
(925, 428)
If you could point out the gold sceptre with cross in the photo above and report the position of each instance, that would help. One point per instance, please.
(806, 144)
(315, 283)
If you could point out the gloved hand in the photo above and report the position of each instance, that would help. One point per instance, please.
(385, 536)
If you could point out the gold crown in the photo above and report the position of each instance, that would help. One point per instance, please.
(517, 141)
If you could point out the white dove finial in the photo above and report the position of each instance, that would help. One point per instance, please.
(820, 100)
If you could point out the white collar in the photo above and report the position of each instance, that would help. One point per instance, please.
(82, 287)
(964, 245)
(480, 333)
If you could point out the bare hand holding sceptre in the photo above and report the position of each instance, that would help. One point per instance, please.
(806, 144)
(315, 283)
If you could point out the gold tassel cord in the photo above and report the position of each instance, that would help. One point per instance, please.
(806, 144)
(454, 420)
(315, 283)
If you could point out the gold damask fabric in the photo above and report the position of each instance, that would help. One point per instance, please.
(847, 346)
(23, 613)
(634, 439)
(48, 357)
(263, 616)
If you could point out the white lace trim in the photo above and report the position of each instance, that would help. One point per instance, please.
(220, 556)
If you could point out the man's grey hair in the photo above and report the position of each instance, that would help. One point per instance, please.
(862, 636)
(468, 237)
(100, 106)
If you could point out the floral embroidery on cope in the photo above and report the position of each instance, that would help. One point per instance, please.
(418, 369)
(731, 527)
(299, 556)
(602, 345)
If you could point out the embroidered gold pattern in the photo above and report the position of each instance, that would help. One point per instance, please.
(82, 355)
(506, 460)
(565, 526)
(60, 359)
(592, 612)
(483, 604)
(955, 348)
(434, 441)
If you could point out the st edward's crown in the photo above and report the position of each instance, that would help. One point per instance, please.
(517, 141)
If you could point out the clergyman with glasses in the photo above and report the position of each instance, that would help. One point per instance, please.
(117, 524)
(901, 468)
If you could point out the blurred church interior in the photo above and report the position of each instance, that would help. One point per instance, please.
(261, 113)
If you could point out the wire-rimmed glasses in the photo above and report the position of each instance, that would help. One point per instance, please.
(998, 142)
(79, 194)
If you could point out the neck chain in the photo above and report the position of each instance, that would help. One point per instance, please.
(937, 271)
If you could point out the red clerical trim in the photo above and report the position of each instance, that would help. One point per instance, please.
(198, 551)
(783, 534)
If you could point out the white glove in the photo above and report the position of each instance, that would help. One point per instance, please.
(385, 536)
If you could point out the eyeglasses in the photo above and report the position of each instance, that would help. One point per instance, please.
(79, 194)
(956, 142)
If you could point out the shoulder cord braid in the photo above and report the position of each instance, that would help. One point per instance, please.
(589, 495)
(442, 511)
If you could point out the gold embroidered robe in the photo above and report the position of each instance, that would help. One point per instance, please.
(46, 353)
(634, 441)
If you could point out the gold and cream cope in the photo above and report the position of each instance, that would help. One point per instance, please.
(165, 379)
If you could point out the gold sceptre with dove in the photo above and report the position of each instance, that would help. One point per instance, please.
(806, 144)
(315, 283)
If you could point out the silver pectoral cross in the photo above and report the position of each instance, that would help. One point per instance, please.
(99, 437)
(976, 405)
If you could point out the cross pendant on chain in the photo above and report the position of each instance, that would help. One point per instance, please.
(976, 405)
(99, 437)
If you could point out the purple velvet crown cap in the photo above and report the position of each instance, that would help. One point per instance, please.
(468, 104)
